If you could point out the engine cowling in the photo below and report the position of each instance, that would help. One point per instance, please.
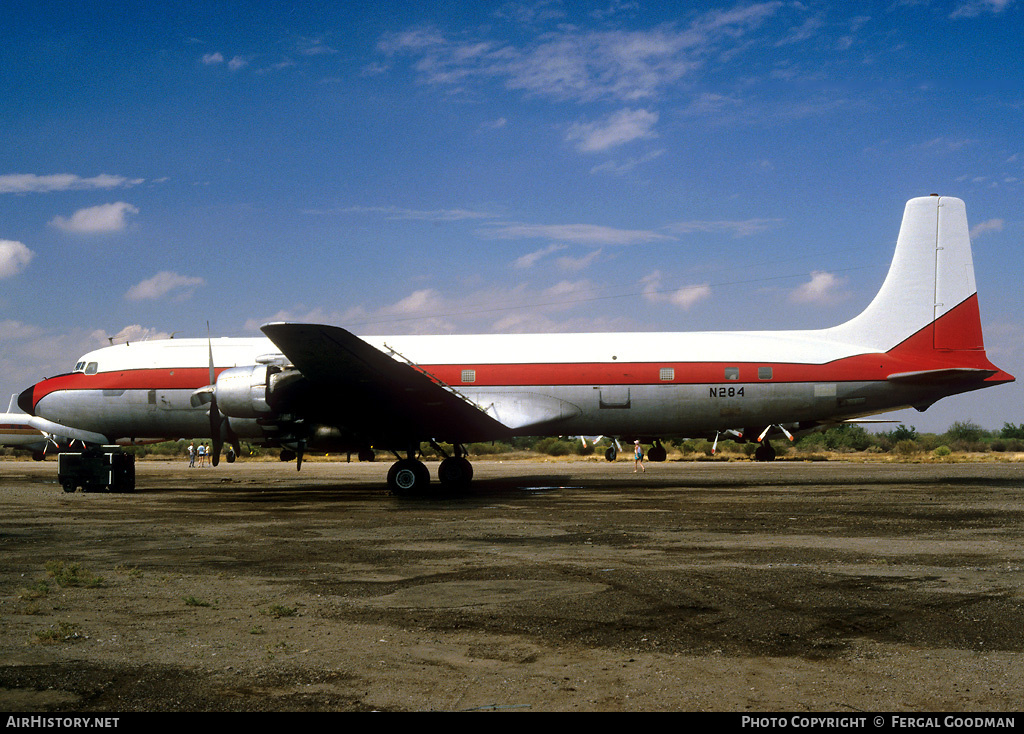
(242, 392)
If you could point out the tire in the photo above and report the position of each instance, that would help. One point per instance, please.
(408, 476)
(455, 473)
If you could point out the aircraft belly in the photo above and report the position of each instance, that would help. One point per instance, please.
(697, 410)
(123, 414)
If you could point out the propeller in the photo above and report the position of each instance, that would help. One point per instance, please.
(220, 426)
(216, 419)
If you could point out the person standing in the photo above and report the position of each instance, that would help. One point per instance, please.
(638, 457)
(192, 454)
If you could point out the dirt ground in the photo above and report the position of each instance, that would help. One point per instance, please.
(562, 586)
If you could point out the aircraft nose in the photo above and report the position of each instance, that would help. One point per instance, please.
(26, 401)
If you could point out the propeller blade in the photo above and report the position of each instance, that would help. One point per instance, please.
(209, 342)
(216, 419)
(216, 439)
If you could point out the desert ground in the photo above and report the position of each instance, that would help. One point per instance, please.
(550, 586)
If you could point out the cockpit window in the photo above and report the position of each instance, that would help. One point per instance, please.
(91, 368)
(80, 367)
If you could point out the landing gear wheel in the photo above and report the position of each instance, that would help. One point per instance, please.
(408, 476)
(657, 452)
(764, 452)
(611, 454)
(455, 473)
(366, 455)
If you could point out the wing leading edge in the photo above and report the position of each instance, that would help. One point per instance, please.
(357, 386)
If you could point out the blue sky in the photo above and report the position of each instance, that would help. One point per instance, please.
(427, 167)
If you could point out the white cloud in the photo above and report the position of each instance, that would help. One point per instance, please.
(238, 62)
(983, 228)
(974, 8)
(10, 329)
(214, 58)
(822, 288)
(618, 128)
(579, 233)
(683, 298)
(689, 295)
(14, 257)
(100, 219)
(137, 333)
(31, 352)
(530, 259)
(618, 168)
(578, 263)
(23, 183)
(416, 303)
(428, 215)
(570, 63)
(741, 228)
(164, 284)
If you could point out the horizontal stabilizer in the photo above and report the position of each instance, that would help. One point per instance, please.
(946, 376)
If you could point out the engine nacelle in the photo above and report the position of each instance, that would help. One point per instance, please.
(242, 391)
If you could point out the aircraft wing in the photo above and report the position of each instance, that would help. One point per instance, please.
(357, 387)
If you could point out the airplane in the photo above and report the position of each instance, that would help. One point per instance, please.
(31, 433)
(313, 386)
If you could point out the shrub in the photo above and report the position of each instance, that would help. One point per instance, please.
(906, 447)
(554, 447)
(965, 431)
(1011, 431)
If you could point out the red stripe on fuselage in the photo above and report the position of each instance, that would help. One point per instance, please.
(177, 378)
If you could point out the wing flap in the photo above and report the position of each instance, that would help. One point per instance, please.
(369, 392)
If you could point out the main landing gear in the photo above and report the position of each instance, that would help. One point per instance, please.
(410, 476)
(657, 452)
(764, 452)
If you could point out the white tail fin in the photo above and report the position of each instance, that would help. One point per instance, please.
(932, 273)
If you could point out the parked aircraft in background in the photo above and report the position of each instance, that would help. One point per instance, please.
(321, 387)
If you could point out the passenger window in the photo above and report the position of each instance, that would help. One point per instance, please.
(732, 373)
(91, 368)
(764, 373)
